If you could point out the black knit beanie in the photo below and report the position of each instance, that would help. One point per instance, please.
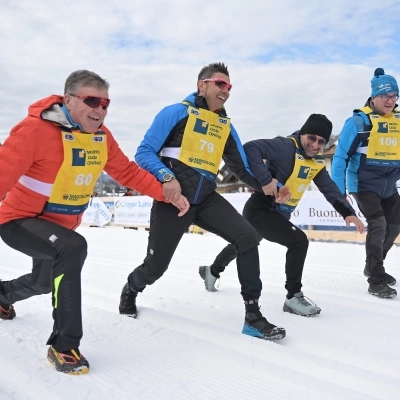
(317, 124)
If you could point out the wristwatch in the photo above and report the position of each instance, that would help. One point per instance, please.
(167, 177)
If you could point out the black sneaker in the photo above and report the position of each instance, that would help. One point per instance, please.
(127, 304)
(256, 325)
(70, 362)
(382, 290)
(389, 279)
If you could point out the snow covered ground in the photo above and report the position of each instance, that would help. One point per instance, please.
(187, 342)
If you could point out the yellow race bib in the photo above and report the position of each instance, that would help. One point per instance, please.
(304, 171)
(204, 141)
(85, 155)
(384, 139)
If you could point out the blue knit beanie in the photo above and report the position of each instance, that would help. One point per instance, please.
(382, 84)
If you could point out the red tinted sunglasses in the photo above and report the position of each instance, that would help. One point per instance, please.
(93, 102)
(220, 83)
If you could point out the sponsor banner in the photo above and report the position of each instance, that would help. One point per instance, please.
(109, 202)
(97, 213)
(313, 209)
(132, 210)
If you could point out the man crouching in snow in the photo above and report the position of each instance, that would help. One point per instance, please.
(49, 165)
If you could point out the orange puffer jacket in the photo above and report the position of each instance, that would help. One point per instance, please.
(34, 149)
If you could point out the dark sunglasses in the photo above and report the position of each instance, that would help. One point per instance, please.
(220, 83)
(313, 139)
(93, 102)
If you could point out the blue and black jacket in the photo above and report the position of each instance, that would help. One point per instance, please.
(279, 154)
(349, 168)
(167, 130)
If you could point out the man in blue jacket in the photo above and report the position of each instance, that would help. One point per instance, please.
(183, 148)
(367, 164)
(295, 160)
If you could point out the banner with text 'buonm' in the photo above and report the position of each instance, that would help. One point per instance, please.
(313, 209)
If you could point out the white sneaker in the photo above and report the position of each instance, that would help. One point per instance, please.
(208, 277)
(301, 305)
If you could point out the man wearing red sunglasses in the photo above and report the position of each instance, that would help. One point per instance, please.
(49, 165)
(184, 147)
(296, 161)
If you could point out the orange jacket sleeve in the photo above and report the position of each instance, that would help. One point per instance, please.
(17, 154)
(128, 173)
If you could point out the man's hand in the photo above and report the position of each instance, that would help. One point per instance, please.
(172, 191)
(356, 221)
(182, 204)
(284, 194)
(272, 190)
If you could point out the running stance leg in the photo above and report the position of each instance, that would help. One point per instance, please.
(67, 250)
(166, 231)
(274, 227)
(371, 205)
(217, 215)
(35, 283)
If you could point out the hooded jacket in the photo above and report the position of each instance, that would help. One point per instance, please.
(34, 149)
(167, 131)
(280, 155)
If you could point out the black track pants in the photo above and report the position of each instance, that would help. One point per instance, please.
(383, 218)
(58, 256)
(216, 215)
(273, 227)
(37, 282)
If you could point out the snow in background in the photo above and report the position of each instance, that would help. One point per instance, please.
(187, 342)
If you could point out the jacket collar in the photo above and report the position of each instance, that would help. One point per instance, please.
(200, 102)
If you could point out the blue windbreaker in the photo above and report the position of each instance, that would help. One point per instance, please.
(167, 130)
(349, 170)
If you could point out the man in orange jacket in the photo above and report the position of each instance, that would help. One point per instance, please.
(49, 165)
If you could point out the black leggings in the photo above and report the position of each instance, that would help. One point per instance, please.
(383, 218)
(58, 256)
(216, 215)
(273, 227)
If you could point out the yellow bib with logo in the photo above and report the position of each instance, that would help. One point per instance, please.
(304, 171)
(85, 155)
(204, 141)
(384, 139)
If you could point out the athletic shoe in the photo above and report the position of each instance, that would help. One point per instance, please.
(7, 311)
(382, 290)
(127, 304)
(257, 326)
(389, 279)
(301, 305)
(208, 277)
(70, 362)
